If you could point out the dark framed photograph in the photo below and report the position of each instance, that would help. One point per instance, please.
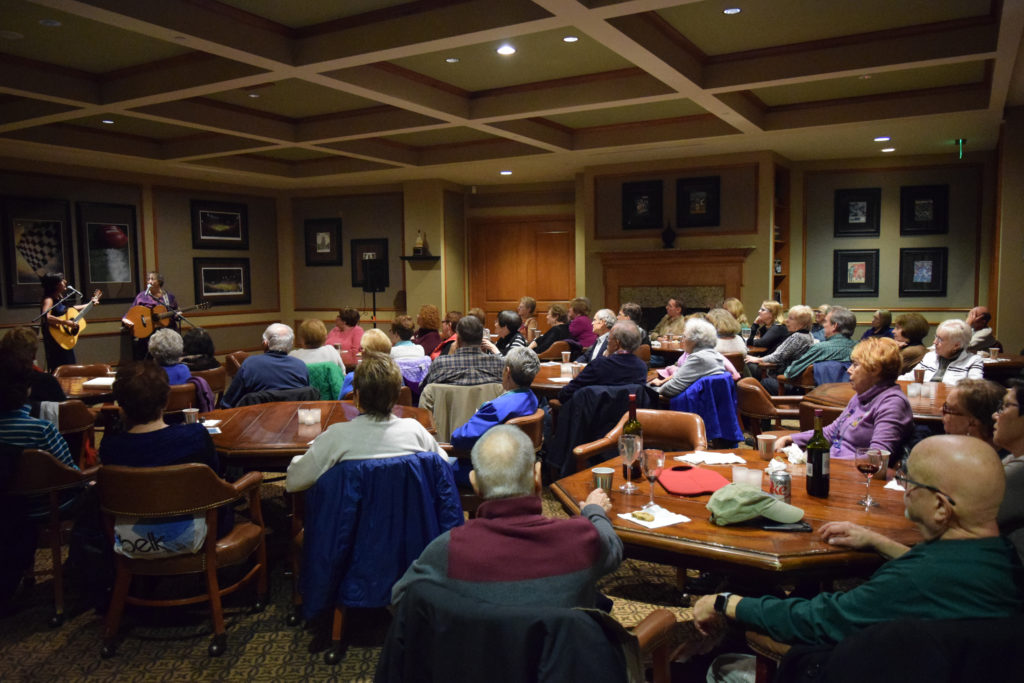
(698, 202)
(924, 210)
(108, 250)
(375, 251)
(222, 280)
(323, 241)
(37, 241)
(923, 271)
(855, 272)
(219, 225)
(641, 205)
(857, 212)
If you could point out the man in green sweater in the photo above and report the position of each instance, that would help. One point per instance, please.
(839, 326)
(962, 570)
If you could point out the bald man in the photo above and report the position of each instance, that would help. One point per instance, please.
(962, 570)
(980, 321)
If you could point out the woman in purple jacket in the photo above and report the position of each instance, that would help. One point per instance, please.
(580, 326)
(879, 415)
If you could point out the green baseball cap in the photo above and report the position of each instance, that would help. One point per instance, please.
(739, 502)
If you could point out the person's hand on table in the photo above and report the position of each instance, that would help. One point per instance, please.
(783, 441)
(752, 359)
(707, 621)
(598, 497)
(854, 536)
(658, 381)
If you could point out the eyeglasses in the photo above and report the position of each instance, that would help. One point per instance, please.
(946, 410)
(903, 479)
(1007, 406)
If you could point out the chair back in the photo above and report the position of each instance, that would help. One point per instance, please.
(92, 370)
(830, 371)
(76, 423)
(666, 429)
(828, 414)
(533, 426)
(643, 352)
(452, 404)
(233, 361)
(182, 396)
(802, 383)
(217, 378)
(753, 400)
(404, 396)
(714, 399)
(736, 359)
(162, 491)
(554, 352)
(39, 472)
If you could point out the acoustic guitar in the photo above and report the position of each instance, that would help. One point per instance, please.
(64, 337)
(145, 321)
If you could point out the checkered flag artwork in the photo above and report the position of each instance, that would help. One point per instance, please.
(39, 245)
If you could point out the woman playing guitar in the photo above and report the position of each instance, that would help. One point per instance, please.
(54, 288)
(153, 296)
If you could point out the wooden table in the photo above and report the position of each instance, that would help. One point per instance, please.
(1003, 368)
(926, 410)
(747, 549)
(268, 435)
(73, 388)
(549, 382)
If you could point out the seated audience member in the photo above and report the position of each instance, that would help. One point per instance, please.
(274, 369)
(768, 332)
(480, 314)
(508, 333)
(970, 409)
(402, 345)
(580, 326)
(166, 347)
(375, 433)
(558, 329)
(510, 553)
(699, 339)
(878, 415)
(950, 362)
(448, 335)
(798, 323)
(603, 322)
(728, 330)
(909, 331)
(373, 340)
(839, 327)
(197, 345)
(673, 321)
(735, 307)
(619, 366)
(881, 325)
(312, 340)
(521, 366)
(633, 311)
(818, 328)
(22, 344)
(1009, 434)
(980, 322)
(469, 364)
(19, 429)
(962, 570)
(527, 310)
(346, 334)
(428, 323)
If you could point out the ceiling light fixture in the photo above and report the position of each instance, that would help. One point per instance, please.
(570, 39)
(452, 60)
(864, 77)
(506, 49)
(254, 95)
(888, 149)
(49, 23)
(883, 138)
(505, 172)
(11, 35)
(731, 10)
(109, 122)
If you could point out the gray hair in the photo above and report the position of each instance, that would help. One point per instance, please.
(523, 365)
(627, 334)
(279, 337)
(166, 346)
(956, 331)
(607, 316)
(503, 460)
(844, 320)
(702, 333)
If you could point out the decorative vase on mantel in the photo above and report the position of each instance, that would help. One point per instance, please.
(668, 236)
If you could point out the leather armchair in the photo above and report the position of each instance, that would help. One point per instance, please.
(92, 370)
(554, 352)
(756, 404)
(666, 429)
(804, 381)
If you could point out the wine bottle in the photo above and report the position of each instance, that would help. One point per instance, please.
(634, 427)
(818, 449)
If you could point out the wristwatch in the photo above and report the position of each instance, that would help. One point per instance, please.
(721, 602)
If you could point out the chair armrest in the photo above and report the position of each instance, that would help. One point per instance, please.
(653, 635)
(787, 401)
(90, 473)
(248, 481)
(446, 447)
(586, 450)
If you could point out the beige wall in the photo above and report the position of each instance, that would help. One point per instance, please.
(1009, 323)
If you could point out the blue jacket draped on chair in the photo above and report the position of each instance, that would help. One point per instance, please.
(714, 399)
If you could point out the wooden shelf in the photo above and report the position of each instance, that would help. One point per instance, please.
(421, 259)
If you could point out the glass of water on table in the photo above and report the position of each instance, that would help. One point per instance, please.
(630, 446)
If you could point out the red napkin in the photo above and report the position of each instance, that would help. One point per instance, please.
(692, 481)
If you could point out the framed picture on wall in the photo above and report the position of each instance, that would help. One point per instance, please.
(641, 205)
(697, 202)
(857, 212)
(924, 210)
(37, 241)
(108, 250)
(222, 280)
(923, 271)
(855, 272)
(219, 225)
(323, 241)
(375, 250)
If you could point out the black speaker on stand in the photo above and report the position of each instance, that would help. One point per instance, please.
(375, 277)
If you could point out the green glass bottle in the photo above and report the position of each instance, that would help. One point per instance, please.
(818, 449)
(634, 427)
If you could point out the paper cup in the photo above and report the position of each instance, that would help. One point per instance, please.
(603, 477)
(919, 376)
(191, 415)
(565, 356)
(766, 446)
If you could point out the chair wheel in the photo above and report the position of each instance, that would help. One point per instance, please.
(108, 650)
(56, 620)
(293, 619)
(218, 645)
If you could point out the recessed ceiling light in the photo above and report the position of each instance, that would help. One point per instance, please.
(506, 49)
(570, 39)
(864, 77)
(505, 172)
(254, 95)
(452, 60)
(888, 149)
(51, 23)
(731, 10)
(11, 35)
(883, 138)
(109, 122)
(180, 39)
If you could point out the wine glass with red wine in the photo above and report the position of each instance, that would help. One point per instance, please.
(869, 461)
(653, 463)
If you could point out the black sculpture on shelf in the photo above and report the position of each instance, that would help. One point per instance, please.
(668, 236)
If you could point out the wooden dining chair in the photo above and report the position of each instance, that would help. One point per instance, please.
(91, 370)
(533, 426)
(76, 423)
(182, 396)
(233, 361)
(643, 352)
(756, 404)
(802, 383)
(217, 378)
(554, 352)
(665, 429)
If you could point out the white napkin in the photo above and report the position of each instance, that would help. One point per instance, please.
(209, 423)
(776, 466)
(894, 486)
(698, 457)
(662, 517)
(794, 454)
(560, 380)
(99, 383)
(552, 362)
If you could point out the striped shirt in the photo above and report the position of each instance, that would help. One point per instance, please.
(17, 428)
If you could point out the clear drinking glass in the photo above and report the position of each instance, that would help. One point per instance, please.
(653, 463)
(629, 448)
(869, 461)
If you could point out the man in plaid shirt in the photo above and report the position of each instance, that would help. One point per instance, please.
(469, 364)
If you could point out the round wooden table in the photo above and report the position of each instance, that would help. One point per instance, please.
(837, 395)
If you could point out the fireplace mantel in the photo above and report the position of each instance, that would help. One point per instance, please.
(672, 268)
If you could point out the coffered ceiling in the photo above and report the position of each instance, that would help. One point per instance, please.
(320, 93)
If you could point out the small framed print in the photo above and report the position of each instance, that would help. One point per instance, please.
(698, 202)
(219, 225)
(641, 205)
(855, 272)
(857, 212)
(37, 241)
(923, 271)
(924, 210)
(323, 241)
(222, 280)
